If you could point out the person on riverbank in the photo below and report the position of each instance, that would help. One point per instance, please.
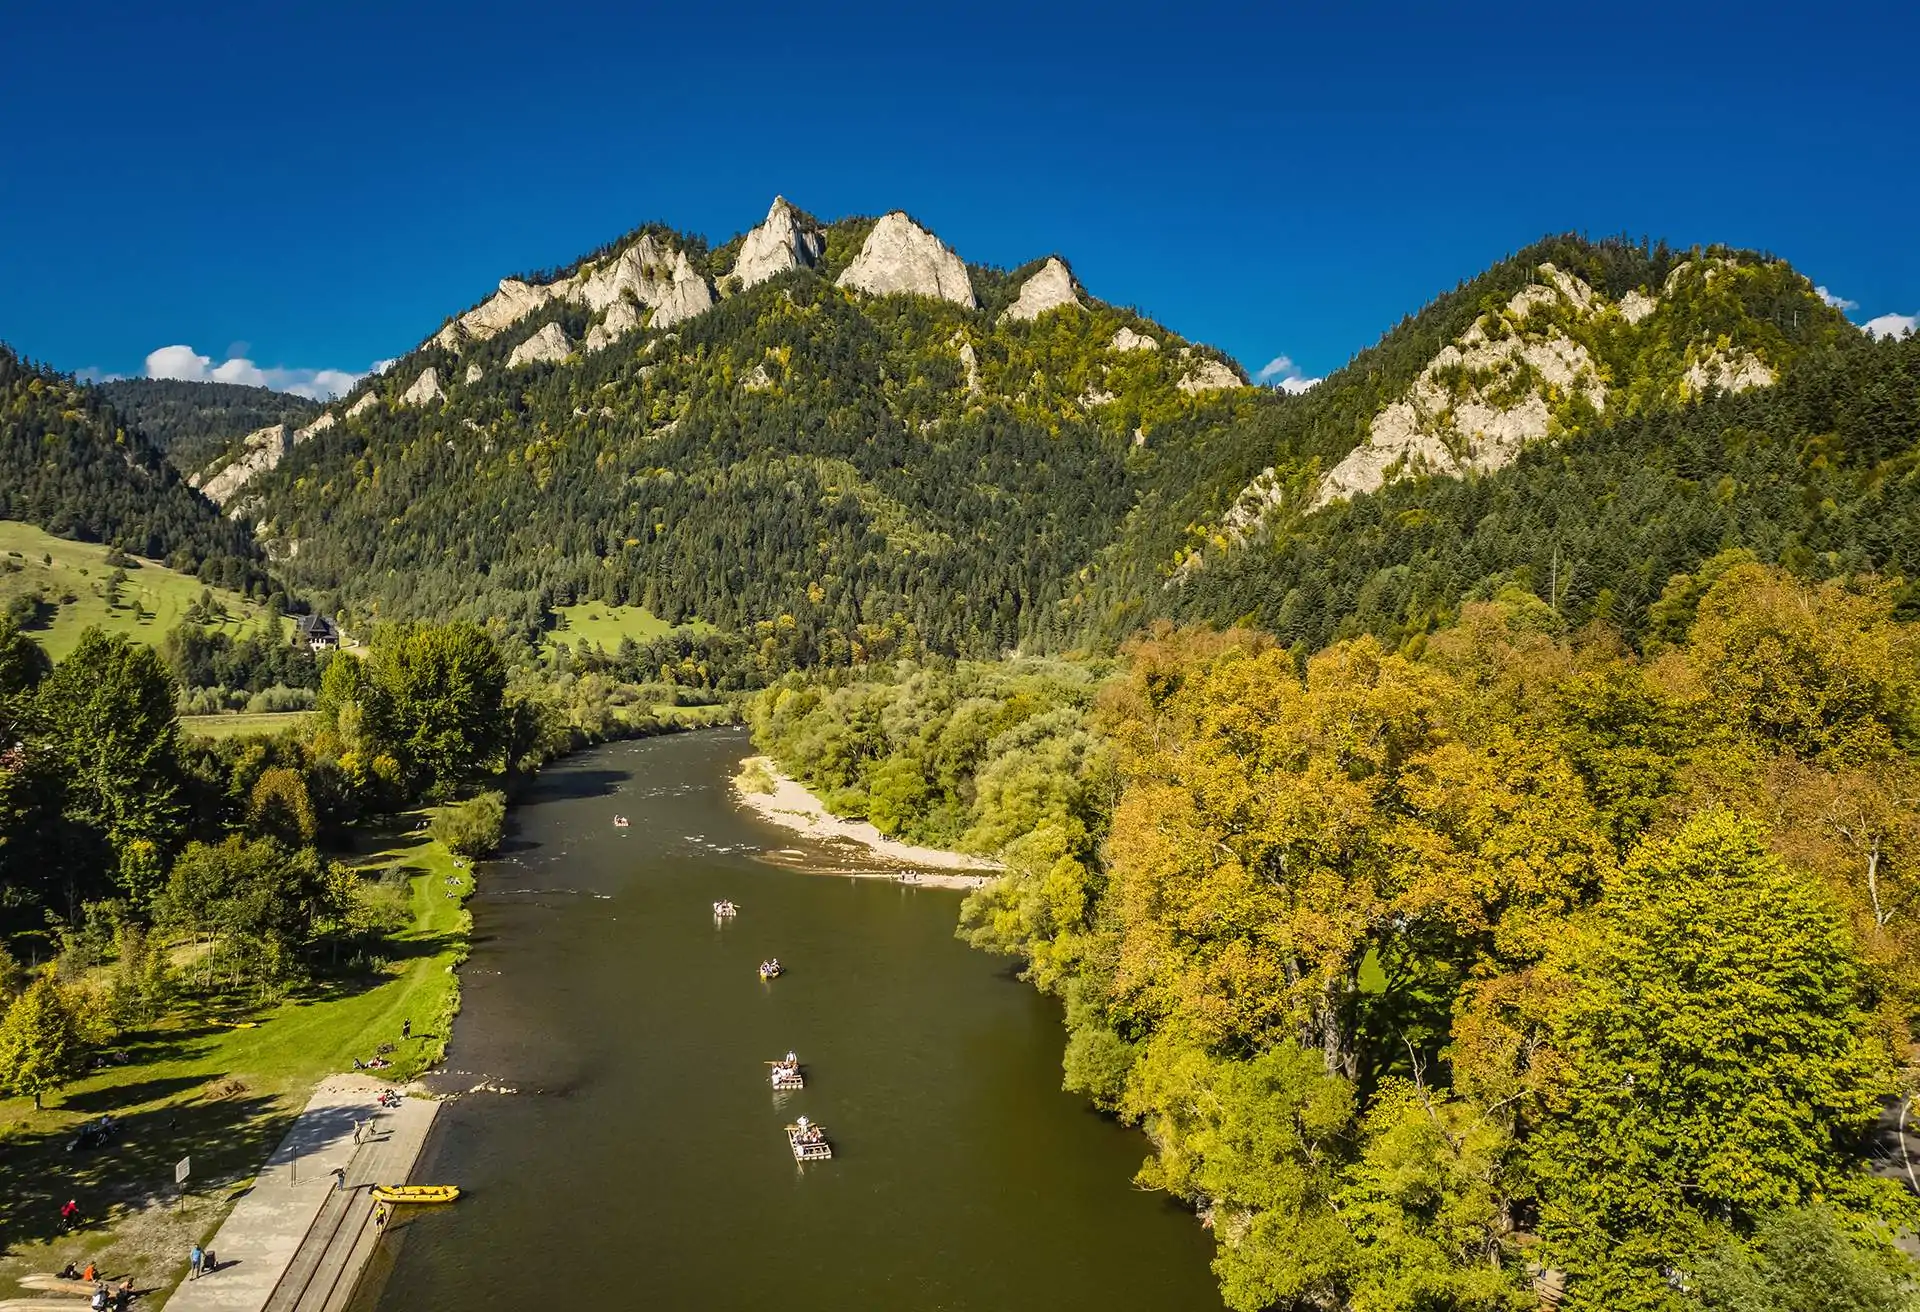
(196, 1263)
(91, 1274)
(406, 1029)
(70, 1215)
(339, 1173)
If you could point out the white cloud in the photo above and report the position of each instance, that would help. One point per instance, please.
(1840, 303)
(1892, 325)
(186, 363)
(1284, 374)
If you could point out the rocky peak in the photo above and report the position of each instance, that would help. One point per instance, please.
(783, 241)
(1049, 289)
(654, 274)
(1129, 340)
(366, 402)
(901, 256)
(547, 346)
(513, 302)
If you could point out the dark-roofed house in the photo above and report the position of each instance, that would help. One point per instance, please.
(317, 631)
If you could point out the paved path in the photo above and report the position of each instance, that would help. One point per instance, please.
(292, 1239)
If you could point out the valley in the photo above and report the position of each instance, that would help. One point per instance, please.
(1431, 799)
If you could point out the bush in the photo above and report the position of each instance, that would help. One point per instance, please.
(472, 828)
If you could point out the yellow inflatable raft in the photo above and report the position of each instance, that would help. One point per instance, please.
(416, 1193)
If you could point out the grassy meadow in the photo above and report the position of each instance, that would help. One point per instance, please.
(151, 602)
(604, 625)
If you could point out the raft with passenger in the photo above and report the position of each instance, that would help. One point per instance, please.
(772, 969)
(809, 1141)
(724, 909)
(619, 822)
(415, 1193)
(785, 1073)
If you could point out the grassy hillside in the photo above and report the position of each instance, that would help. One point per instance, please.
(152, 600)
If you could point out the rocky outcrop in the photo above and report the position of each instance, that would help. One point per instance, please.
(621, 319)
(1129, 340)
(757, 379)
(969, 361)
(425, 388)
(474, 374)
(1482, 398)
(1209, 376)
(320, 425)
(513, 302)
(260, 451)
(782, 241)
(1723, 368)
(548, 346)
(1049, 289)
(650, 272)
(653, 274)
(901, 256)
(364, 404)
(1637, 305)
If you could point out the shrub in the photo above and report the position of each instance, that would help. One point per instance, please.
(472, 828)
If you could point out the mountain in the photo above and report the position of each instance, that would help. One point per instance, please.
(193, 423)
(844, 425)
(846, 433)
(73, 465)
(1582, 421)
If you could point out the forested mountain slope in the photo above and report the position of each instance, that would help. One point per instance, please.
(72, 465)
(191, 423)
(863, 462)
(845, 431)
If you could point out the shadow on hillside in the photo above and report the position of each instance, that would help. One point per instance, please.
(38, 1174)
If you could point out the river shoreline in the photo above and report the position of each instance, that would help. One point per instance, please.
(792, 805)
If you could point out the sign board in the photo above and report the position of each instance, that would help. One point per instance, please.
(181, 1169)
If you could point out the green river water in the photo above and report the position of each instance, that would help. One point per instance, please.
(641, 1163)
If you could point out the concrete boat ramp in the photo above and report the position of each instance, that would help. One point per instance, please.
(296, 1241)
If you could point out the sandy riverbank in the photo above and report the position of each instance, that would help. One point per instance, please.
(793, 806)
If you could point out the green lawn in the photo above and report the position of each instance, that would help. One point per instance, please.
(263, 723)
(605, 625)
(151, 601)
(221, 1084)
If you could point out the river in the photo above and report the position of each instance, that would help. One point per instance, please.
(641, 1160)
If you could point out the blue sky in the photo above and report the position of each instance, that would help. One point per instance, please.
(311, 187)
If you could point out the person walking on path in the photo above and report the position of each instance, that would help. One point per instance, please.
(196, 1260)
(406, 1029)
(339, 1174)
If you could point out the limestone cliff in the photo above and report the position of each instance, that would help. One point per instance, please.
(425, 388)
(319, 425)
(1209, 376)
(650, 272)
(364, 404)
(621, 319)
(548, 346)
(901, 256)
(1129, 340)
(782, 241)
(1485, 397)
(1049, 289)
(513, 302)
(260, 451)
